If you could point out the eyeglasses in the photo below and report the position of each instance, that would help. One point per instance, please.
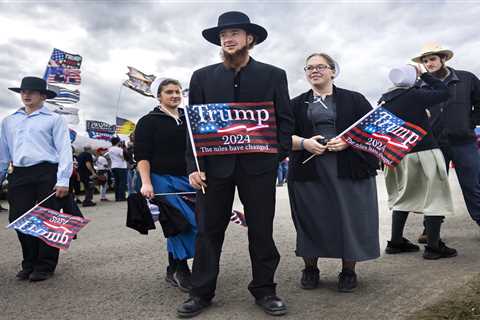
(318, 67)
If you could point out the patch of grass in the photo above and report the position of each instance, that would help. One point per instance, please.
(461, 304)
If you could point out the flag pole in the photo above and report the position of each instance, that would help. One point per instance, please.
(23, 215)
(118, 102)
(192, 142)
(173, 193)
(350, 128)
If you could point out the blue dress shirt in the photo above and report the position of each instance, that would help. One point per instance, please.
(29, 139)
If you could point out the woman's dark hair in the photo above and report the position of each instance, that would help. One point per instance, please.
(115, 141)
(166, 82)
(330, 61)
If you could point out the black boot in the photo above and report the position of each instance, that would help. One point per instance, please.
(183, 275)
(404, 246)
(441, 252)
(347, 281)
(310, 278)
(171, 269)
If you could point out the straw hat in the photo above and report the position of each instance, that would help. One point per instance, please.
(433, 48)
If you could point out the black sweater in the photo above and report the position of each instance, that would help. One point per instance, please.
(162, 142)
(351, 163)
(410, 104)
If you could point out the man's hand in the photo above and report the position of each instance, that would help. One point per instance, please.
(147, 191)
(337, 144)
(197, 180)
(61, 192)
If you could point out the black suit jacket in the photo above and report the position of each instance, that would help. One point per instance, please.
(256, 82)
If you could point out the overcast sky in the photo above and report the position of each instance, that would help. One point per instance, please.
(367, 38)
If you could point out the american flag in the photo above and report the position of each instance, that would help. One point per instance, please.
(62, 75)
(229, 128)
(385, 135)
(63, 59)
(54, 228)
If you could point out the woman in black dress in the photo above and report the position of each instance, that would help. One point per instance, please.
(333, 196)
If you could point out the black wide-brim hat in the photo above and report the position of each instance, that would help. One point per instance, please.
(233, 20)
(35, 84)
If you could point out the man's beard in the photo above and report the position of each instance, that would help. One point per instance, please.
(235, 60)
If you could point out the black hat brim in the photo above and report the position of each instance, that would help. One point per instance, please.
(49, 93)
(212, 34)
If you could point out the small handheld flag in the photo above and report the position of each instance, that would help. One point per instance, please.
(54, 228)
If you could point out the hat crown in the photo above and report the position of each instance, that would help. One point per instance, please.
(33, 83)
(232, 17)
(432, 47)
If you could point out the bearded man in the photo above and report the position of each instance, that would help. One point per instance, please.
(453, 122)
(239, 78)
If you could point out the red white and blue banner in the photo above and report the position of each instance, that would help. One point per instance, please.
(54, 228)
(63, 67)
(385, 135)
(100, 130)
(232, 128)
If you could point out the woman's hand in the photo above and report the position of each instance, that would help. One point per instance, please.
(147, 191)
(312, 145)
(197, 180)
(337, 144)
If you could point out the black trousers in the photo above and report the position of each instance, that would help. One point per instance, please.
(26, 187)
(120, 176)
(257, 193)
(89, 187)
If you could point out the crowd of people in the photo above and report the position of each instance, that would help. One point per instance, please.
(333, 196)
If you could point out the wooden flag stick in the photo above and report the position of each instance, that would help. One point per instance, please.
(23, 215)
(173, 193)
(192, 142)
(350, 128)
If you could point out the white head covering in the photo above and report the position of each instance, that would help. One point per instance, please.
(403, 76)
(337, 69)
(154, 86)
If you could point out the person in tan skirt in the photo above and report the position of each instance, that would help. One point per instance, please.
(419, 183)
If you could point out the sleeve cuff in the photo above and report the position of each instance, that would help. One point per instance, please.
(62, 182)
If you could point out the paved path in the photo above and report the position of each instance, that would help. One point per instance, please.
(113, 272)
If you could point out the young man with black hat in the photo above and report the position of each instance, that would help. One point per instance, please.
(453, 122)
(238, 79)
(37, 143)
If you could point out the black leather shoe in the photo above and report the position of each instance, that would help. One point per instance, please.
(192, 307)
(272, 305)
(36, 276)
(347, 281)
(310, 278)
(23, 274)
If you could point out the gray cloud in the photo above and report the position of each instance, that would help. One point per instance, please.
(164, 38)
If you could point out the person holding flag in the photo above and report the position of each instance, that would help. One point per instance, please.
(419, 183)
(237, 79)
(37, 142)
(333, 197)
(160, 145)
